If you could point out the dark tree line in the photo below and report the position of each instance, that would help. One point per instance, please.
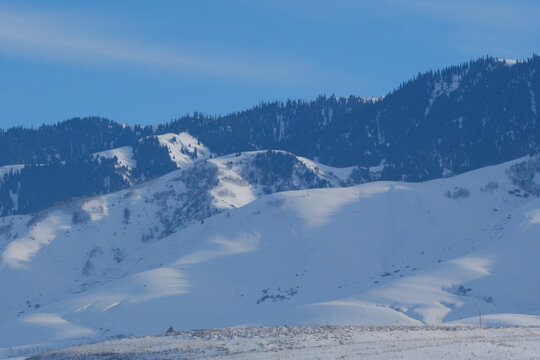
(440, 122)
(152, 159)
(277, 171)
(38, 186)
(65, 140)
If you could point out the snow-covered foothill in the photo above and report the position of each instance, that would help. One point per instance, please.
(182, 250)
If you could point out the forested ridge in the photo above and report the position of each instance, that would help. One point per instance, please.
(437, 124)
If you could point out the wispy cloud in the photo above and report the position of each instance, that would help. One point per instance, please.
(495, 14)
(55, 37)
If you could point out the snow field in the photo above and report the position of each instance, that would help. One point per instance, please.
(321, 342)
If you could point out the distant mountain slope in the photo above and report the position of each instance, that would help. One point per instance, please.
(123, 154)
(65, 140)
(438, 124)
(31, 188)
(183, 148)
(37, 186)
(204, 247)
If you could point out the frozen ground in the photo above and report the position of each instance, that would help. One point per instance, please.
(320, 342)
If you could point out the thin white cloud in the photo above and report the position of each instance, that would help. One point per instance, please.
(56, 38)
(495, 14)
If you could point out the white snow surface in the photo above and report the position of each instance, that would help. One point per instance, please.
(7, 168)
(181, 146)
(332, 174)
(181, 149)
(509, 62)
(382, 253)
(319, 342)
(124, 156)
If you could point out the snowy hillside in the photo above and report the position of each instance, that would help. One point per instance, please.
(33, 187)
(124, 156)
(206, 246)
(183, 149)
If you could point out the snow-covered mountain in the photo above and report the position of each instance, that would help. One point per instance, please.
(27, 188)
(438, 124)
(264, 238)
(182, 150)
(111, 230)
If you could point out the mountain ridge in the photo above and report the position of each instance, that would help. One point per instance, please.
(438, 124)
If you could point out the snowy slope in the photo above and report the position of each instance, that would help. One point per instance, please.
(124, 156)
(240, 180)
(70, 248)
(204, 247)
(183, 148)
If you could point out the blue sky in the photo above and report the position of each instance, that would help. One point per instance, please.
(148, 62)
